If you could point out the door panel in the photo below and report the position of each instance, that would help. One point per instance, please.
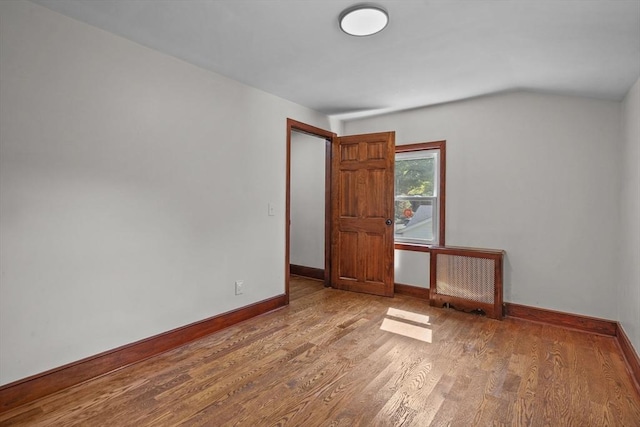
(362, 202)
(349, 152)
(349, 194)
(374, 267)
(375, 205)
(348, 246)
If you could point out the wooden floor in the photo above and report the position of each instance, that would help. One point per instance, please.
(325, 361)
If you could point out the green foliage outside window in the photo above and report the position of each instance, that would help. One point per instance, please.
(413, 178)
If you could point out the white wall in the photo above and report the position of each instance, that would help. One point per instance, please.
(307, 200)
(629, 295)
(412, 268)
(536, 175)
(134, 191)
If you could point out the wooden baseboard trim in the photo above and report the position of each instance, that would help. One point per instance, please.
(631, 357)
(586, 324)
(565, 320)
(414, 291)
(311, 272)
(34, 387)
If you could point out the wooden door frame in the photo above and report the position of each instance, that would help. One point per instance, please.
(328, 138)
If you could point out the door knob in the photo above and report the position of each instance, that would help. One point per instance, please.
(388, 222)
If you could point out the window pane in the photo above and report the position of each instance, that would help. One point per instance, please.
(416, 191)
(414, 219)
(415, 176)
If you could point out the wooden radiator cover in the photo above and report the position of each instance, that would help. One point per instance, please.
(468, 279)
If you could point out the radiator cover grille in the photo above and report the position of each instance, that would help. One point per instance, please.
(465, 277)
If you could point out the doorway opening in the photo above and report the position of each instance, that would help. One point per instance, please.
(358, 209)
(308, 198)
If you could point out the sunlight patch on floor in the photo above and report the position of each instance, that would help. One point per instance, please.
(408, 315)
(404, 328)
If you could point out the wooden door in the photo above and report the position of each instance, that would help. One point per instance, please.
(362, 182)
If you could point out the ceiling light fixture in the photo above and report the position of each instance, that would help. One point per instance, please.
(363, 20)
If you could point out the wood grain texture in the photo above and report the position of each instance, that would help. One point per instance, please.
(23, 391)
(325, 361)
(566, 320)
(362, 168)
(630, 354)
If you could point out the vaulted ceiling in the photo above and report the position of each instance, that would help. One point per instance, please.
(433, 51)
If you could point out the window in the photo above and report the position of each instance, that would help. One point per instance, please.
(419, 193)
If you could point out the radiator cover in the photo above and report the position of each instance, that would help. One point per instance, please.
(469, 279)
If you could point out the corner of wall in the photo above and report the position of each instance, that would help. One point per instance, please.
(628, 280)
(336, 125)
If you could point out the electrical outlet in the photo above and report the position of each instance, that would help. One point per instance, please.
(239, 287)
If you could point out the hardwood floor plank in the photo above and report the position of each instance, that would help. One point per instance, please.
(326, 361)
(471, 407)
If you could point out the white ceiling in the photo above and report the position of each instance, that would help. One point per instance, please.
(431, 52)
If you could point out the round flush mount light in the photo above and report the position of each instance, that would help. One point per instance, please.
(363, 20)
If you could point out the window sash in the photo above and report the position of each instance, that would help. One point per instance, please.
(434, 221)
(435, 224)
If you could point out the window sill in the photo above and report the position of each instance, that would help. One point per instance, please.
(415, 247)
